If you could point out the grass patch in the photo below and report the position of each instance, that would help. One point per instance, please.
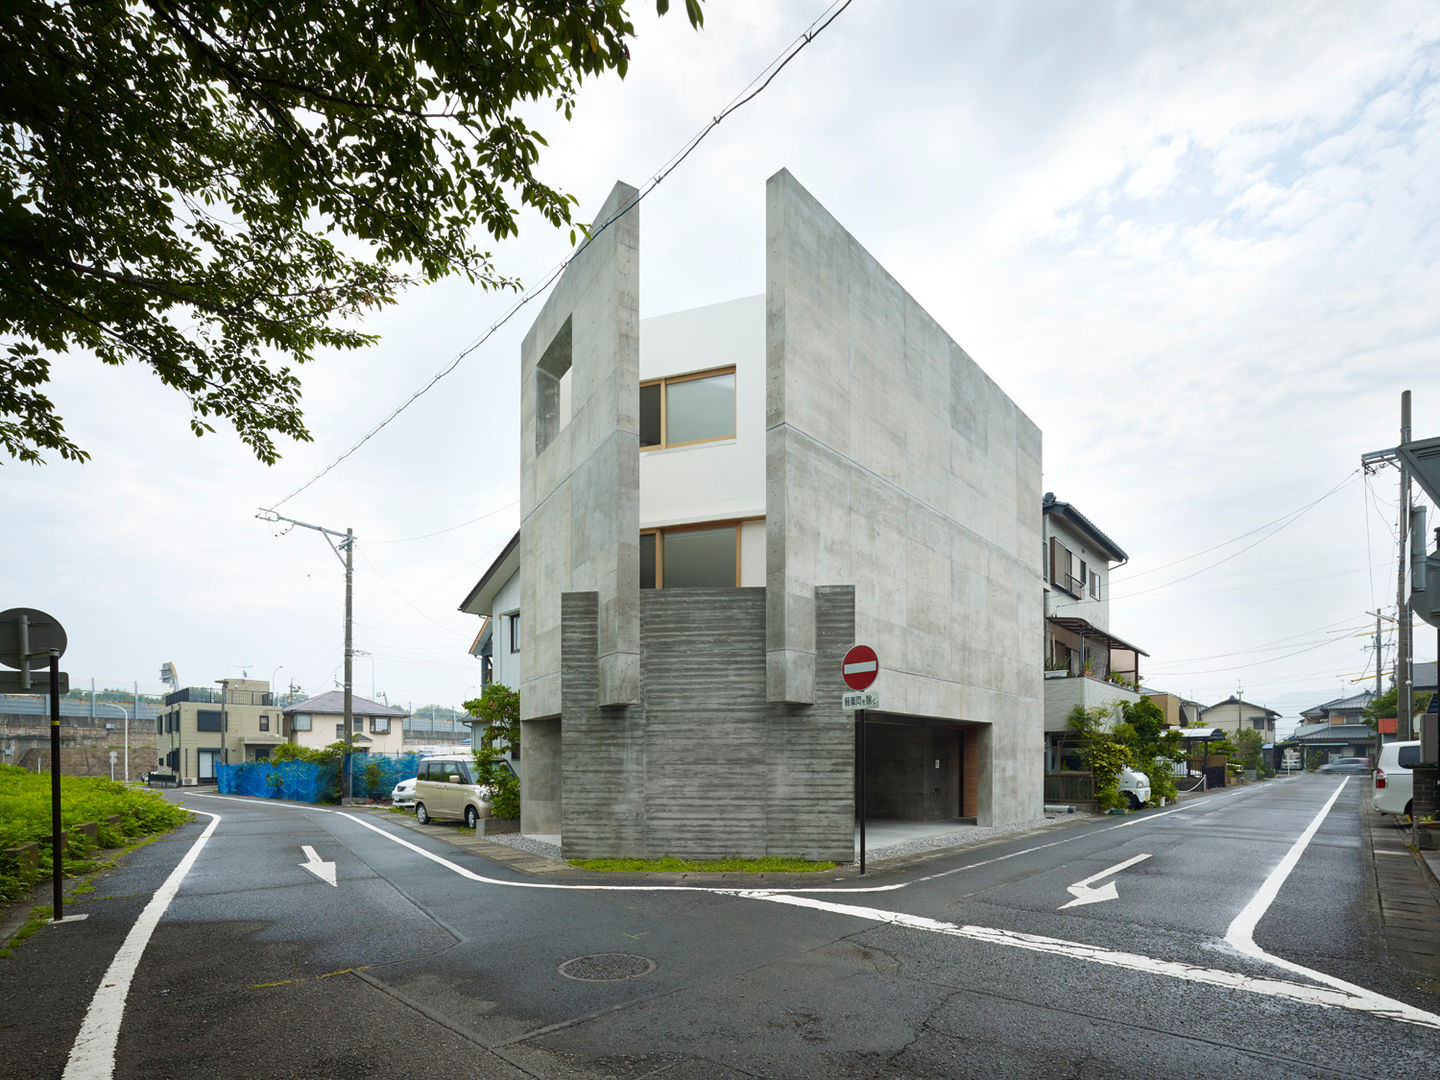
(772, 864)
(39, 916)
(25, 818)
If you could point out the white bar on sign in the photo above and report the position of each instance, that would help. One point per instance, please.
(864, 665)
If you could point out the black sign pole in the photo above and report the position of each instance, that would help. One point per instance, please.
(57, 850)
(861, 713)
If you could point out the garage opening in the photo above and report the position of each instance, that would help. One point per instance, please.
(919, 770)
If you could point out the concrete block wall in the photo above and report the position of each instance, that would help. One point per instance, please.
(579, 492)
(894, 463)
(705, 766)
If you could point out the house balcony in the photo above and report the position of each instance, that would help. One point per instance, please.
(1062, 695)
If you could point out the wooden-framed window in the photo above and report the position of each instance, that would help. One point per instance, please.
(687, 409)
(691, 556)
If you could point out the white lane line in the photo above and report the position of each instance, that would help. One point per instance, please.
(93, 1055)
(1346, 997)
(1341, 997)
(1241, 934)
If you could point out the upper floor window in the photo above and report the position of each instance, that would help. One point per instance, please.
(1068, 570)
(687, 409)
(264, 722)
(300, 722)
(690, 556)
(514, 621)
(207, 720)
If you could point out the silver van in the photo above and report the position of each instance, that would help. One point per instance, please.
(445, 790)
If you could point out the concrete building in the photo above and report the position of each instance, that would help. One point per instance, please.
(1084, 663)
(200, 728)
(715, 505)
(319, 721)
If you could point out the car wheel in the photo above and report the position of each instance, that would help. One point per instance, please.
(421, 814)
(1409, 806)
(1135, 803)
(472, 817)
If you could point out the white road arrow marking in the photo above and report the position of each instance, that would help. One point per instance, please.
(1084, 894)
(325, 871)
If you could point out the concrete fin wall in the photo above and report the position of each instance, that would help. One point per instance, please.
(896, 464)
(579, 464)
(706, 767)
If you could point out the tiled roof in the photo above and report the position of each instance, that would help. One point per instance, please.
(332, 703)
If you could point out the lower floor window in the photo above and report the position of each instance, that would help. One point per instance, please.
(691, 556)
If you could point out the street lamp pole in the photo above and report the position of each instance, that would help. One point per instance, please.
(126, 713)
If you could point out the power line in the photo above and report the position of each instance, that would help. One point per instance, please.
(452, 528)
(1286, 521)
(763, 79)
(1236, 539)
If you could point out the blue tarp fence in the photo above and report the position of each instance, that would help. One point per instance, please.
(371, 776)
(375, 775)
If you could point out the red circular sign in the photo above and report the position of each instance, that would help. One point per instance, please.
(860, 667)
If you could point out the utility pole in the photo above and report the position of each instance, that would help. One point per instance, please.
(1403, 699)
(347, 542)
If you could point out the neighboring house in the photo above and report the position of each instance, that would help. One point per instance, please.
(1179, 712)
(1335, 739)
(1234, 715)
(1082, 657)
(1343, 710)
(199, 728)
(319, 721)
(1423, 676)
(496, 599)
(715, 505)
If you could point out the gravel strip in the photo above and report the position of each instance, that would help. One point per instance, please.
(970, 835)
(967, 836)
(527, 844)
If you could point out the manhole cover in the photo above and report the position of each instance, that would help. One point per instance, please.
(607, 967)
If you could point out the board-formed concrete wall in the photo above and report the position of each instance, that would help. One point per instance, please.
(705, 766)
(579, 470)
(896, 464)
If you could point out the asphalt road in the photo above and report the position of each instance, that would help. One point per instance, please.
(1229, 937)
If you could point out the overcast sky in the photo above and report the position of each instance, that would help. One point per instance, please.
(1196, 243)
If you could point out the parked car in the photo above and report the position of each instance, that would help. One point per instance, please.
(1394, 782)
(445, 790)
(1346, 765)
(404, 793)
(1135, 786)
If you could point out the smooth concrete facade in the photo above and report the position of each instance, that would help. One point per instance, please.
(897, 476)
(580, 480)
(898, 466)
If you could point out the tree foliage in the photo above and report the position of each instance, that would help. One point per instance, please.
(498, 707)
(217, 191)
(1387, 705)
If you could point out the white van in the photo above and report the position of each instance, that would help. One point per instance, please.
(1135, 786)
(445, 790)
(1394, 782)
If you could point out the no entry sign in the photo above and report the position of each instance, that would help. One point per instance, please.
(860, 667)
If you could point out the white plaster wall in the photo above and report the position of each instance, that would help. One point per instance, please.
(752, 554)
(1095, 612)
(506, 665)
(719, 480)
